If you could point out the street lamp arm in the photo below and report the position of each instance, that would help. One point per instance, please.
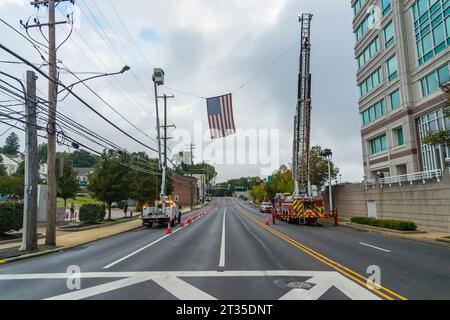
(124, 69)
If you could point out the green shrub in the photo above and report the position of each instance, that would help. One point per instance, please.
(401, 225)
(11, 216)
(92, 213)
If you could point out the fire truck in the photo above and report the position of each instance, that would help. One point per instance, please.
(303, 206)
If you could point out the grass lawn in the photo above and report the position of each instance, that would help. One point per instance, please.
(79, 201)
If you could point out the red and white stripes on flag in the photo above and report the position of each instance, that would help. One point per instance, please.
(220, 116)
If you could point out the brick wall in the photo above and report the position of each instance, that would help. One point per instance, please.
(428, 205)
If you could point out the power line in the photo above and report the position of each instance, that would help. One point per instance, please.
(76, 96)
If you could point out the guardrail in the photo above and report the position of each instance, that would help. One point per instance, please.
(406, 178)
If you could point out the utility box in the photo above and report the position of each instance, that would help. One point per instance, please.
(41, 203)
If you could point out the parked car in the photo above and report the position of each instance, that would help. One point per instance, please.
(266, 207)
(114, 205)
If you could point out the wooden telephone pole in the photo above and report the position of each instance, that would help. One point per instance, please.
(51, 126)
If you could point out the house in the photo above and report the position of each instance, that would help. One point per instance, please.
(12, 162)
(185, 190)
(82, 175)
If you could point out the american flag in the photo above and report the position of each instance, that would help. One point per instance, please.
(220, 116)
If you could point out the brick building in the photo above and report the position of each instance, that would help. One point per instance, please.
(185, 190)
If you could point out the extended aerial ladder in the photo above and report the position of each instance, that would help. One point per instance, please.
(302, 206)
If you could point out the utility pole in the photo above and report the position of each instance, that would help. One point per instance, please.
(158, 80)
(51, 126)
(29, 234)
(165, 126)
(191, 150)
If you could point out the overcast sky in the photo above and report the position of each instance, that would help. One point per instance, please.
(207, 48)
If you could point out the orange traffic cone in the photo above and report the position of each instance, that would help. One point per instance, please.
(182, 224)
(267, 221)
(169, 230)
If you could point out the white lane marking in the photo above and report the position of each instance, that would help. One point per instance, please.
(96, 290)
(170, 281)
(181, 289)
(139, 250)
(222, 244)
(371, 246)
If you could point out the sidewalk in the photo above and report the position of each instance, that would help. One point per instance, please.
(66, 240)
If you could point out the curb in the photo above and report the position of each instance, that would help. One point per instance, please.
(61, 249)
(366, 227)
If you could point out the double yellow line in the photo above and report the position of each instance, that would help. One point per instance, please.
(378, 289)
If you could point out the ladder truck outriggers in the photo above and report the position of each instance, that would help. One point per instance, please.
(302, 207)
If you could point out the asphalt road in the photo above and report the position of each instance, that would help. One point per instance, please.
(231, 254)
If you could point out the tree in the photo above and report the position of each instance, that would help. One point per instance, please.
(82, 159)
(145, 187)
(442, 136)
(67, 187)
(111, 180)
(319, 168)
(259, 192)
(2, 168)
(12, 144)
(42, 153)
(282, 182)
(12, 186)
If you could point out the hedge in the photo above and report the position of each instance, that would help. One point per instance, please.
(11, 216)
(92, 213)
(401, 225)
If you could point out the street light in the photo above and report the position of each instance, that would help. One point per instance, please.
(101, 75)
(328, 155)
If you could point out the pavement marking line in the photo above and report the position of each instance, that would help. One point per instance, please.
(96, 290)
(2, 261)
(140, 250)
(335, 265)
(172, 282)
(374, 247)
(314, 253)
(181, 289)
(222, 243)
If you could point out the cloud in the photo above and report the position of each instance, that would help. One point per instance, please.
(208, 48)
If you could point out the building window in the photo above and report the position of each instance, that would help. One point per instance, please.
(369, 52)
(389, 38)
(358, 6)
(366, 25)
(399, 139)
(373, 81)
(433, 156)
(373, 113)
(395, 100)
(386, 6)
(432, 28)
(392, 68)
(430, 84)
(378, 145)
